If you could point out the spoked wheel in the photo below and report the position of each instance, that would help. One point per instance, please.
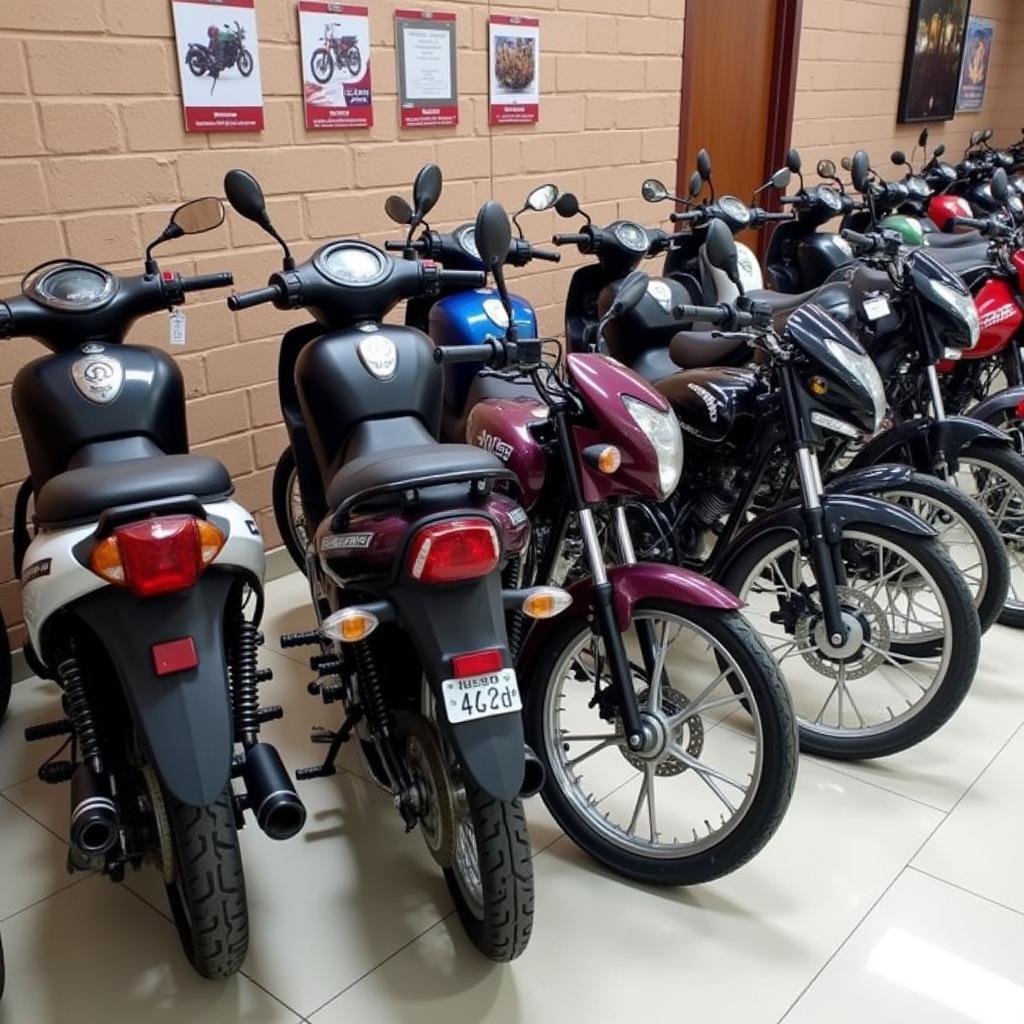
(245, 63)
(711, 788)
(288, 512)
(354, 61)
(994, 479)
(206, 887)
(482, 845)
(968, 535)
(911, 648)
(321, 65)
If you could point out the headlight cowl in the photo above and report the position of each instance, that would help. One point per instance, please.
(662, 430)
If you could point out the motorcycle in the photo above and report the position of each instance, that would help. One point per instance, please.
(224, 49)
(142, 592)
(822, 547)
(337, 51)
(406, 569)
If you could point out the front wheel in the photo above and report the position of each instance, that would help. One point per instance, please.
(321, 65)
(207, 893)
(288, 514)
(911, 647)
(712, 790)
(244, 63)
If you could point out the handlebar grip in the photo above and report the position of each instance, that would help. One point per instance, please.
(969, 222)
(472, 278)
(202, 282)
(787, 200)
(856, 238)
(417, 245)
(551, 257)
(707, 314)
(683, 218)
(245, 300)
(779, 215)
(448, 354)
(578, 239)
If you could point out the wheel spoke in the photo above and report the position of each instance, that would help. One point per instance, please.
(701, 768)
(698, 704)
(616, 741)
(654, 693)
(638, 807)
(652, 818)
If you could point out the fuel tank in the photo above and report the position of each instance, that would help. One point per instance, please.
(362, 373)
(506, 428)
(1000, 316)
(715, 406)
(467, 318)
(93, 394)
(943, 208)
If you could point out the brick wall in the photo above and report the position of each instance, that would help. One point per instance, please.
(93, 156)
(848, 82)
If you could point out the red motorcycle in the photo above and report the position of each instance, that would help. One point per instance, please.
(337, 51)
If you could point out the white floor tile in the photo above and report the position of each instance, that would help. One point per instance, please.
(96, 954)
(288, 610)
(979, 845)
(32, 702)
(738, 950)
(926, 952)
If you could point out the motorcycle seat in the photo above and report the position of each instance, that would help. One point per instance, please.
(79, 495)
(963, 257)
(693, 350)
(943, 240)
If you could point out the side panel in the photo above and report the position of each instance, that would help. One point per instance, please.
(502, 426)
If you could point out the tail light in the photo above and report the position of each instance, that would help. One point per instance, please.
(455, 550)
(157, 556)
(477, 663)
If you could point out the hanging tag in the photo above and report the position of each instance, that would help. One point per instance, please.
(177, 328)
(876, 308)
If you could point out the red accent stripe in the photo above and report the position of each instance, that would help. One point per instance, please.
(314, 7)
(220, 3)
(424, 15)
(513, 19)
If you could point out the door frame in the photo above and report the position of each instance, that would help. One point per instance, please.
(782, 99)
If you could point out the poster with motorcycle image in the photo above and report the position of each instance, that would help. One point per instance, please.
(514, 69)
(218, 59)
(335, 65)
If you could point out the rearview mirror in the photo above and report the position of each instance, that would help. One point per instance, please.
(567, 205)
(630, 292)
(398, 209)
(493, 235)
(899, 158)
(426, 191)
(846, 163)
(826, 169)
(653, 190)
(720, 248)
(860, 170)
(781, 178)
(793, 161)
(198, 216)
(922, 139)
(704, 165)
(986, 135)
(975, 137)
(542, 198)
(246, 197)
(696, 184)
(1000, 186)
(939, 150)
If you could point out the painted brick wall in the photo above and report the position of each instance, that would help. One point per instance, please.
(93, 156)
(848, 83)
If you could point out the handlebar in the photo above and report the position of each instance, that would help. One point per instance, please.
(577, 239)
(550, 257)
(246, 300)
(470, 278)
(202, 282)
(497, 353)
(684, 218)
(416, 245)
(970, 222)
(726, 315)
(864, 244)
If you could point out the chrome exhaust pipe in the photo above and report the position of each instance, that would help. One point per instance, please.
(271, 795)
(93, 813)
(534, 774)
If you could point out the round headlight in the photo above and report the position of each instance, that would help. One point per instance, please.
(662, 430)
(354, 264)
(734, 209)
(830, 197)
(631, 236)
(963, 305)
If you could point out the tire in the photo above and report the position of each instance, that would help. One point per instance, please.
(323, 60)
(987, 571)
(245, 63)
(958, 630)
(354, 61)
(499, 917)
(6, 669)
(207, 897)
(3, 969)
(593, 824)
(980, 466)
(284, 490)
(196, 63)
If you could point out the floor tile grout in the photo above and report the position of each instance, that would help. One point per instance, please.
(964, 889)
(83, 876)
(831, 766)
(31, 817)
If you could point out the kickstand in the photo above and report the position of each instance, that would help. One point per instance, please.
(335, 739)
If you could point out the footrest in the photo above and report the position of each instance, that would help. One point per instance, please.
(61, 727)
(55, 772)
(311, 636)
(319, 771)
(270, 713)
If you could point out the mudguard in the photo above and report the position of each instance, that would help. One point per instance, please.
(444, 622)
(871, 479)
(1008, 400)
(926, 440)
(183, 719)
(841, 510)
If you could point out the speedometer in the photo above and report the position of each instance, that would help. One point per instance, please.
(354, 264)
(918, 187)
(734, 209)
(466, 237)
(631, 236)
(72, 286)
(829, 197)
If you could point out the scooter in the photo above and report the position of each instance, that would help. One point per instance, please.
(142, 591)
(405, 568)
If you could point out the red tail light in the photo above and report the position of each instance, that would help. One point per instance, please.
(457, 549)
(476, 663)
(157, 556)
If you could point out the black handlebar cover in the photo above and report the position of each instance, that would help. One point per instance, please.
(246, 300)
(202, 282)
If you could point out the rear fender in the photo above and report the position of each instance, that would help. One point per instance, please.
(991, 409)
(927, 441)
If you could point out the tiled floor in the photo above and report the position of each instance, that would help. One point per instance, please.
(893, 892)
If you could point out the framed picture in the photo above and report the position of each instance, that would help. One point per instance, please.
(931, 62)
(977, 55)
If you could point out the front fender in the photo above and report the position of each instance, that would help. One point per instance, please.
(928, 441)
(1007, 400)
(184, 719)
(870, 479)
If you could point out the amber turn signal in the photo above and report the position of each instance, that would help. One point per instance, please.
(817, 385)
(350, 625)
(545, 602)
(609, 460)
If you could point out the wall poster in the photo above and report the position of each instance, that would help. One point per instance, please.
(219, 63)
(514, 69)
(335, 65)
(428, 89)
(977, 55)
(931, 60)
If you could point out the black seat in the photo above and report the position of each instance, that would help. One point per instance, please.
(453, 426)
(964, 257)
(80, 495)
(409, 467)
(943, 240)
(692, 350)
(781, 302)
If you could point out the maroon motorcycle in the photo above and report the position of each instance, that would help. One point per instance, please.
(637, 696)
(337, 51)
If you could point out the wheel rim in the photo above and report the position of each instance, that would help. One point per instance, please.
(703, 779)
(891, 685)
(296, 517)
(466, 864)
(1002, 497)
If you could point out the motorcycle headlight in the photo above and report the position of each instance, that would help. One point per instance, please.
(865, 373)
(962, 305)
(662, 430)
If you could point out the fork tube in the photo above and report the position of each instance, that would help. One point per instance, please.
(938, 406)
(627, 554)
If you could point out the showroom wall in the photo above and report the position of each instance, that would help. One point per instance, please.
(848, 81)
(94, 157)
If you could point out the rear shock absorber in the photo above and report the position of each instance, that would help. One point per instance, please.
(371, 691)
(79, 711)
(511, 579)
(245, 698)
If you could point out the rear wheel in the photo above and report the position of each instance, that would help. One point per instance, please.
(321, 65)
(288, 513)
(207, 892)
(354, 61)
(197, 63)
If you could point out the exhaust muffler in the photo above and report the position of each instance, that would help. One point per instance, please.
(93, 813)
(271, 795)
(534, 774)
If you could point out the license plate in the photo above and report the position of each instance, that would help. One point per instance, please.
(473, 697)
(875, 309)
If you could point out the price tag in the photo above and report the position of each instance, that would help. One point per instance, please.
(178, 331)
(875, 309)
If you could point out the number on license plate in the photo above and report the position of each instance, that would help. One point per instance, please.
(492, 693)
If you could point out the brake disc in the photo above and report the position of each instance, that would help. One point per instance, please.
(165, 854)
(438, 817)
(868, 617)
(672, 703)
